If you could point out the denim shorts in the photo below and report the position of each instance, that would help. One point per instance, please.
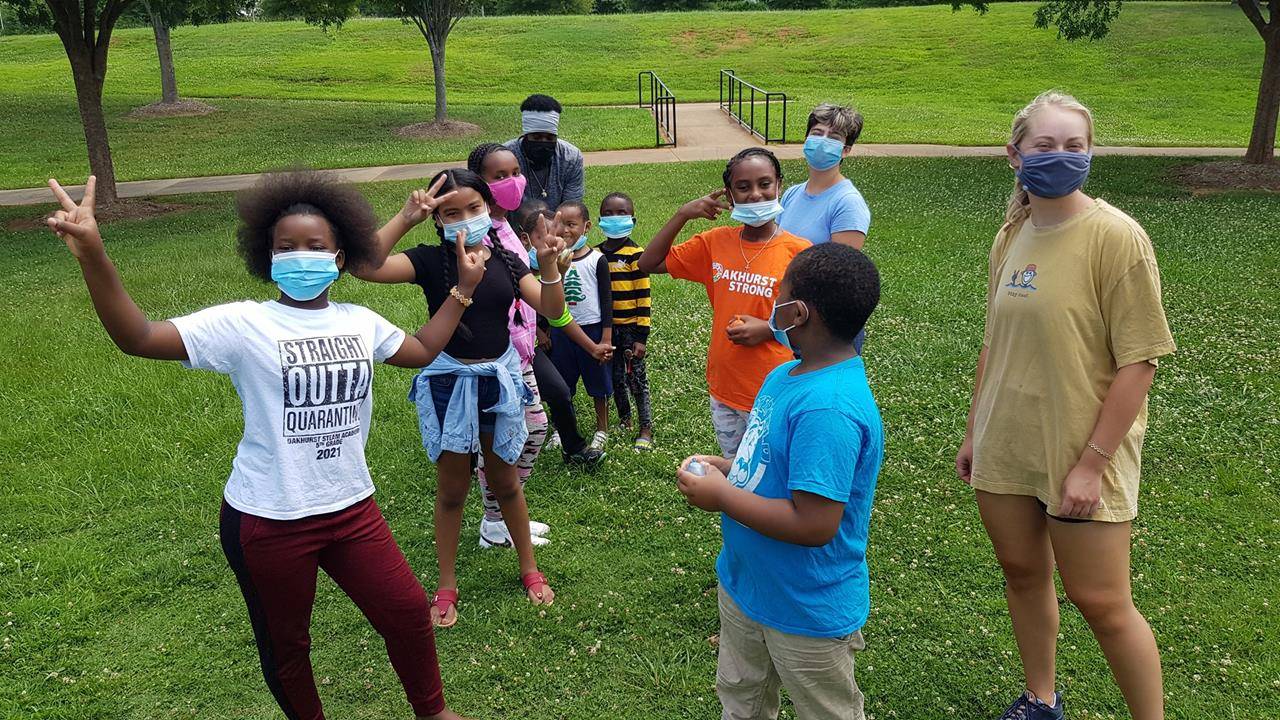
(488, 391)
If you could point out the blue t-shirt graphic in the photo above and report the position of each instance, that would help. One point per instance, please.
(820, 433)
(816, 218)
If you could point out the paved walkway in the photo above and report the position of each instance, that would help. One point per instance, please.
(703, 131)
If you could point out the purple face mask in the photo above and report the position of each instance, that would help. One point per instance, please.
(1054, 174)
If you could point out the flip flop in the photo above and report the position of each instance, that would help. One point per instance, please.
(443, 600)
(532, 580)
(643, 445)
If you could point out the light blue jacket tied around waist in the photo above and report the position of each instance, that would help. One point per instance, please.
(460, 431)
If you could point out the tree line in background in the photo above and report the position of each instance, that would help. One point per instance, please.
(85, 27)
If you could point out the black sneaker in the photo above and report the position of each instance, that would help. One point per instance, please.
(587, 457)
(1030, 707)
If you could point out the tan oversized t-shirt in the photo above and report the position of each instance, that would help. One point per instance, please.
(1067, 306)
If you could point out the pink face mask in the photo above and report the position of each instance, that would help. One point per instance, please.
(508, 192)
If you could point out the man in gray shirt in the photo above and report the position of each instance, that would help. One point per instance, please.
(552, 167)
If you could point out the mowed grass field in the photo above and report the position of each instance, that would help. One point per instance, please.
(1169, 74)
(116, 601)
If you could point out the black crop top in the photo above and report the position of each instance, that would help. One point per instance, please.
(491, 302)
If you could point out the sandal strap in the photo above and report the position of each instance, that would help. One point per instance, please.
(533, 579)
(443, 598)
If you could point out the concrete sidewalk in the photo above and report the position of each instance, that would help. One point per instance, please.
(703, 130)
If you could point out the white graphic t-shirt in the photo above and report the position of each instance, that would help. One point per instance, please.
(305, 380)
(582, 288)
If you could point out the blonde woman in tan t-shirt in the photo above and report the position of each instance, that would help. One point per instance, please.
(1074, 330)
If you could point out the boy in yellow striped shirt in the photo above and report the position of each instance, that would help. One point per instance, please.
(631, 306)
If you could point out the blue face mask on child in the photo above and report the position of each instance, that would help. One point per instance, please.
(582, 242)
(756, 214)
(822, 153)
(617, 226)
(477, 229)
(533, 259)
(780, 334)
(1054, 174)
(304, 274)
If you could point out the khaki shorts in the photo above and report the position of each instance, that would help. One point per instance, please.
(756, 660)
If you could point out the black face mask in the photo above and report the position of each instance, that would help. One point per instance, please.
(539, 152)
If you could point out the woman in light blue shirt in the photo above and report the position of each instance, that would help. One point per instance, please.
(827, 207)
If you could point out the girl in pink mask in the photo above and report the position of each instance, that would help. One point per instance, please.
(499, 168)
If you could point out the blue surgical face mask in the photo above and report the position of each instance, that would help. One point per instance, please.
(582, 242)
(477, 229)
(304, 274)
(780, 334)
(1053, 174)
(757, 213)
(533, 259)
(616, 226)
(822, 153)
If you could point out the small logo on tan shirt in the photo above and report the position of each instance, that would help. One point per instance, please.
(1022, 278)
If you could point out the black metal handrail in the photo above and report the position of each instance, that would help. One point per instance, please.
(663, 104)
(733, 98)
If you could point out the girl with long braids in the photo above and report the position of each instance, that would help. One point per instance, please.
(472, 399)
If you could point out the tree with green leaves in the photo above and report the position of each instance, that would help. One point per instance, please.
(84, 27)
(1076, 19)
(164, 15)
(435, 19)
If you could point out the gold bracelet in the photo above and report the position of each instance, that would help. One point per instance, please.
(1094, 447)
(457, 295)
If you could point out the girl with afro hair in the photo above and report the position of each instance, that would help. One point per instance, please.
(299, 497)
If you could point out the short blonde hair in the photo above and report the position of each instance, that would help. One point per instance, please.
(1019, 201)
(841, 119)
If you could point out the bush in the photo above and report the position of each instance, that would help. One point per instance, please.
(668, 5)
(542, 7)
(610, 7)
(798, 4)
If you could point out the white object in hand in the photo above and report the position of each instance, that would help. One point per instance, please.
(695, 468)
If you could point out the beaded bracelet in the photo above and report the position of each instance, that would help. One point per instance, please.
(457, 295)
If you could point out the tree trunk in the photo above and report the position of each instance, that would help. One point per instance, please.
(1262, 142)
(89, 99)
(168, 80)
(437, 67)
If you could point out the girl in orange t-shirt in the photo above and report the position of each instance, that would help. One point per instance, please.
(741, 266)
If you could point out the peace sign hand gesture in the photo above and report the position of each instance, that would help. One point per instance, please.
(547, 240)
(422, 203)
(708, 207)
(470, 265)
(75, 224)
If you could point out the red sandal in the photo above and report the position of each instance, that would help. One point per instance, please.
(532, 580)
(444, 599)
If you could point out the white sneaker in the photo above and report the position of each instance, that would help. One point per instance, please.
(496, 534)
(538, 529)
(553, 442)
(599, 439)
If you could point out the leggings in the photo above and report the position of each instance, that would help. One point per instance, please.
(559, 401)
(535, 419)
(629, 375)
(276, 561)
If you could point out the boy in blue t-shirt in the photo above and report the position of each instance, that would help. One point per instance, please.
(796, 503)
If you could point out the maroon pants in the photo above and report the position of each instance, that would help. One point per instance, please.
(276, 563)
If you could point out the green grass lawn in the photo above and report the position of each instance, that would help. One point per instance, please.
(117, 602)
(252, 135)
(1169, 74)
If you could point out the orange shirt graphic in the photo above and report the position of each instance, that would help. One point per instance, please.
(718, 259)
